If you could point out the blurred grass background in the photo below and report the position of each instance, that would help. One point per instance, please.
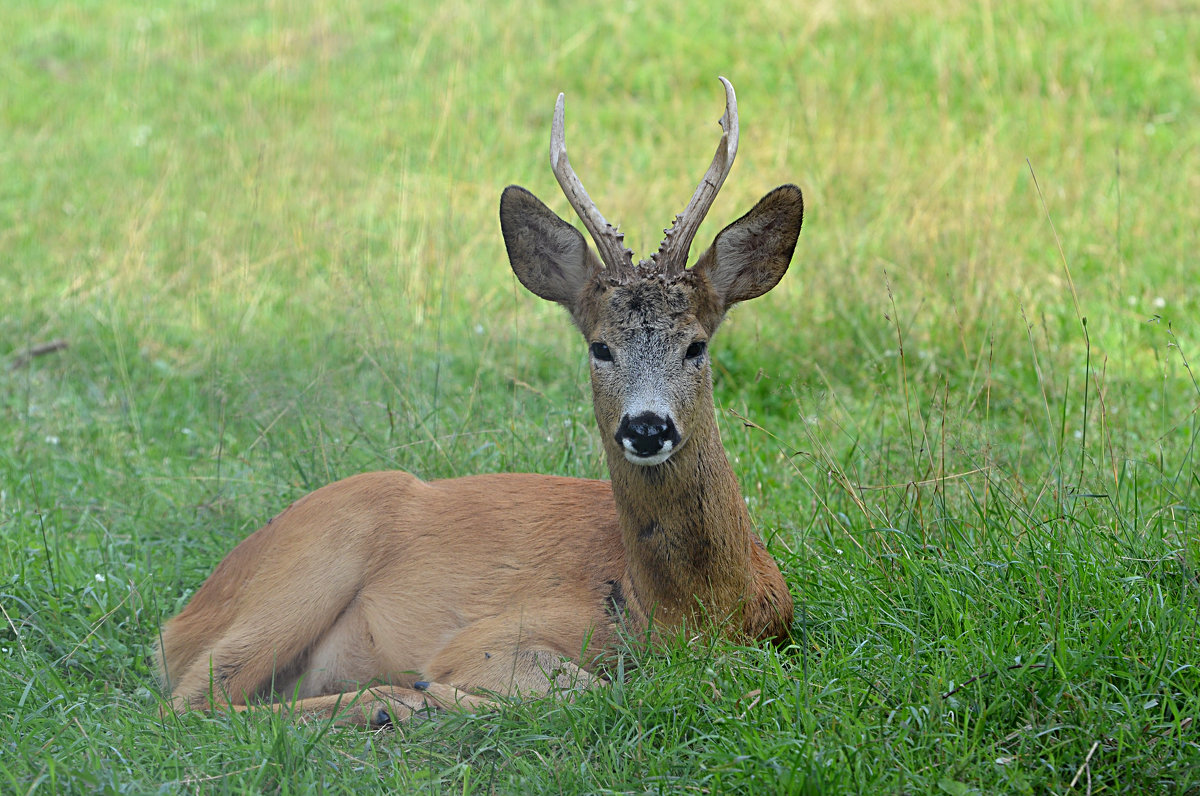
(267, 232)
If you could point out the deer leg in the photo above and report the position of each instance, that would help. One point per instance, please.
(265, 644)
(376, 706)
(231, 672)
(327, 682)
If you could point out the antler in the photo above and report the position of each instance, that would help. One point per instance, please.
(609, 242)
(672, 253)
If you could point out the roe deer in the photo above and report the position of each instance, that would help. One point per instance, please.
(381, 595)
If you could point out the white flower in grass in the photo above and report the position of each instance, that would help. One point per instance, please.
(51, 439)
(1159, 302)
(100, 578)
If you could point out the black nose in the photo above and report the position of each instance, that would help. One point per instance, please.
(646, 434)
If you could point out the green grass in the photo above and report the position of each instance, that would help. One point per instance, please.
(966, 421)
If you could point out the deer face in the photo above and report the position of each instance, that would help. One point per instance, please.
(649, 364)
(648, 326)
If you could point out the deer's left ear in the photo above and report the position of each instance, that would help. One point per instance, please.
(752, 254)
(547, 254)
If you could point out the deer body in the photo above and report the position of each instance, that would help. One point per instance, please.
(434, 594)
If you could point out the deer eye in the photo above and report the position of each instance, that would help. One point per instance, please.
(696, 349)
(600, 352)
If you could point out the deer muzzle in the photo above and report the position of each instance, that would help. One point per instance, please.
(647, 438)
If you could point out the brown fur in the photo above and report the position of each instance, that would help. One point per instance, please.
(380, 595)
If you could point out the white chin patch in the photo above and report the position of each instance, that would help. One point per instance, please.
(648, 461)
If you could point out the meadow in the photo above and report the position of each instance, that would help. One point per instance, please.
(247, 249)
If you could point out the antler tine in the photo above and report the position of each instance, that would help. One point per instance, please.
(609, 242)
(673, 252)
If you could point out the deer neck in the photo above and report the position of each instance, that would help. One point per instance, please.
(685, 529)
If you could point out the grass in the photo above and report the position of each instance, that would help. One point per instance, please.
(966, 421)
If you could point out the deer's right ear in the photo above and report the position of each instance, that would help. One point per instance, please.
(548, 255)
(751, 255)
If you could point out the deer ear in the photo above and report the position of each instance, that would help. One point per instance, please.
(752, 254)
(548, 255)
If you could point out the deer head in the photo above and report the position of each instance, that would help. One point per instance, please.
(648, 326)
